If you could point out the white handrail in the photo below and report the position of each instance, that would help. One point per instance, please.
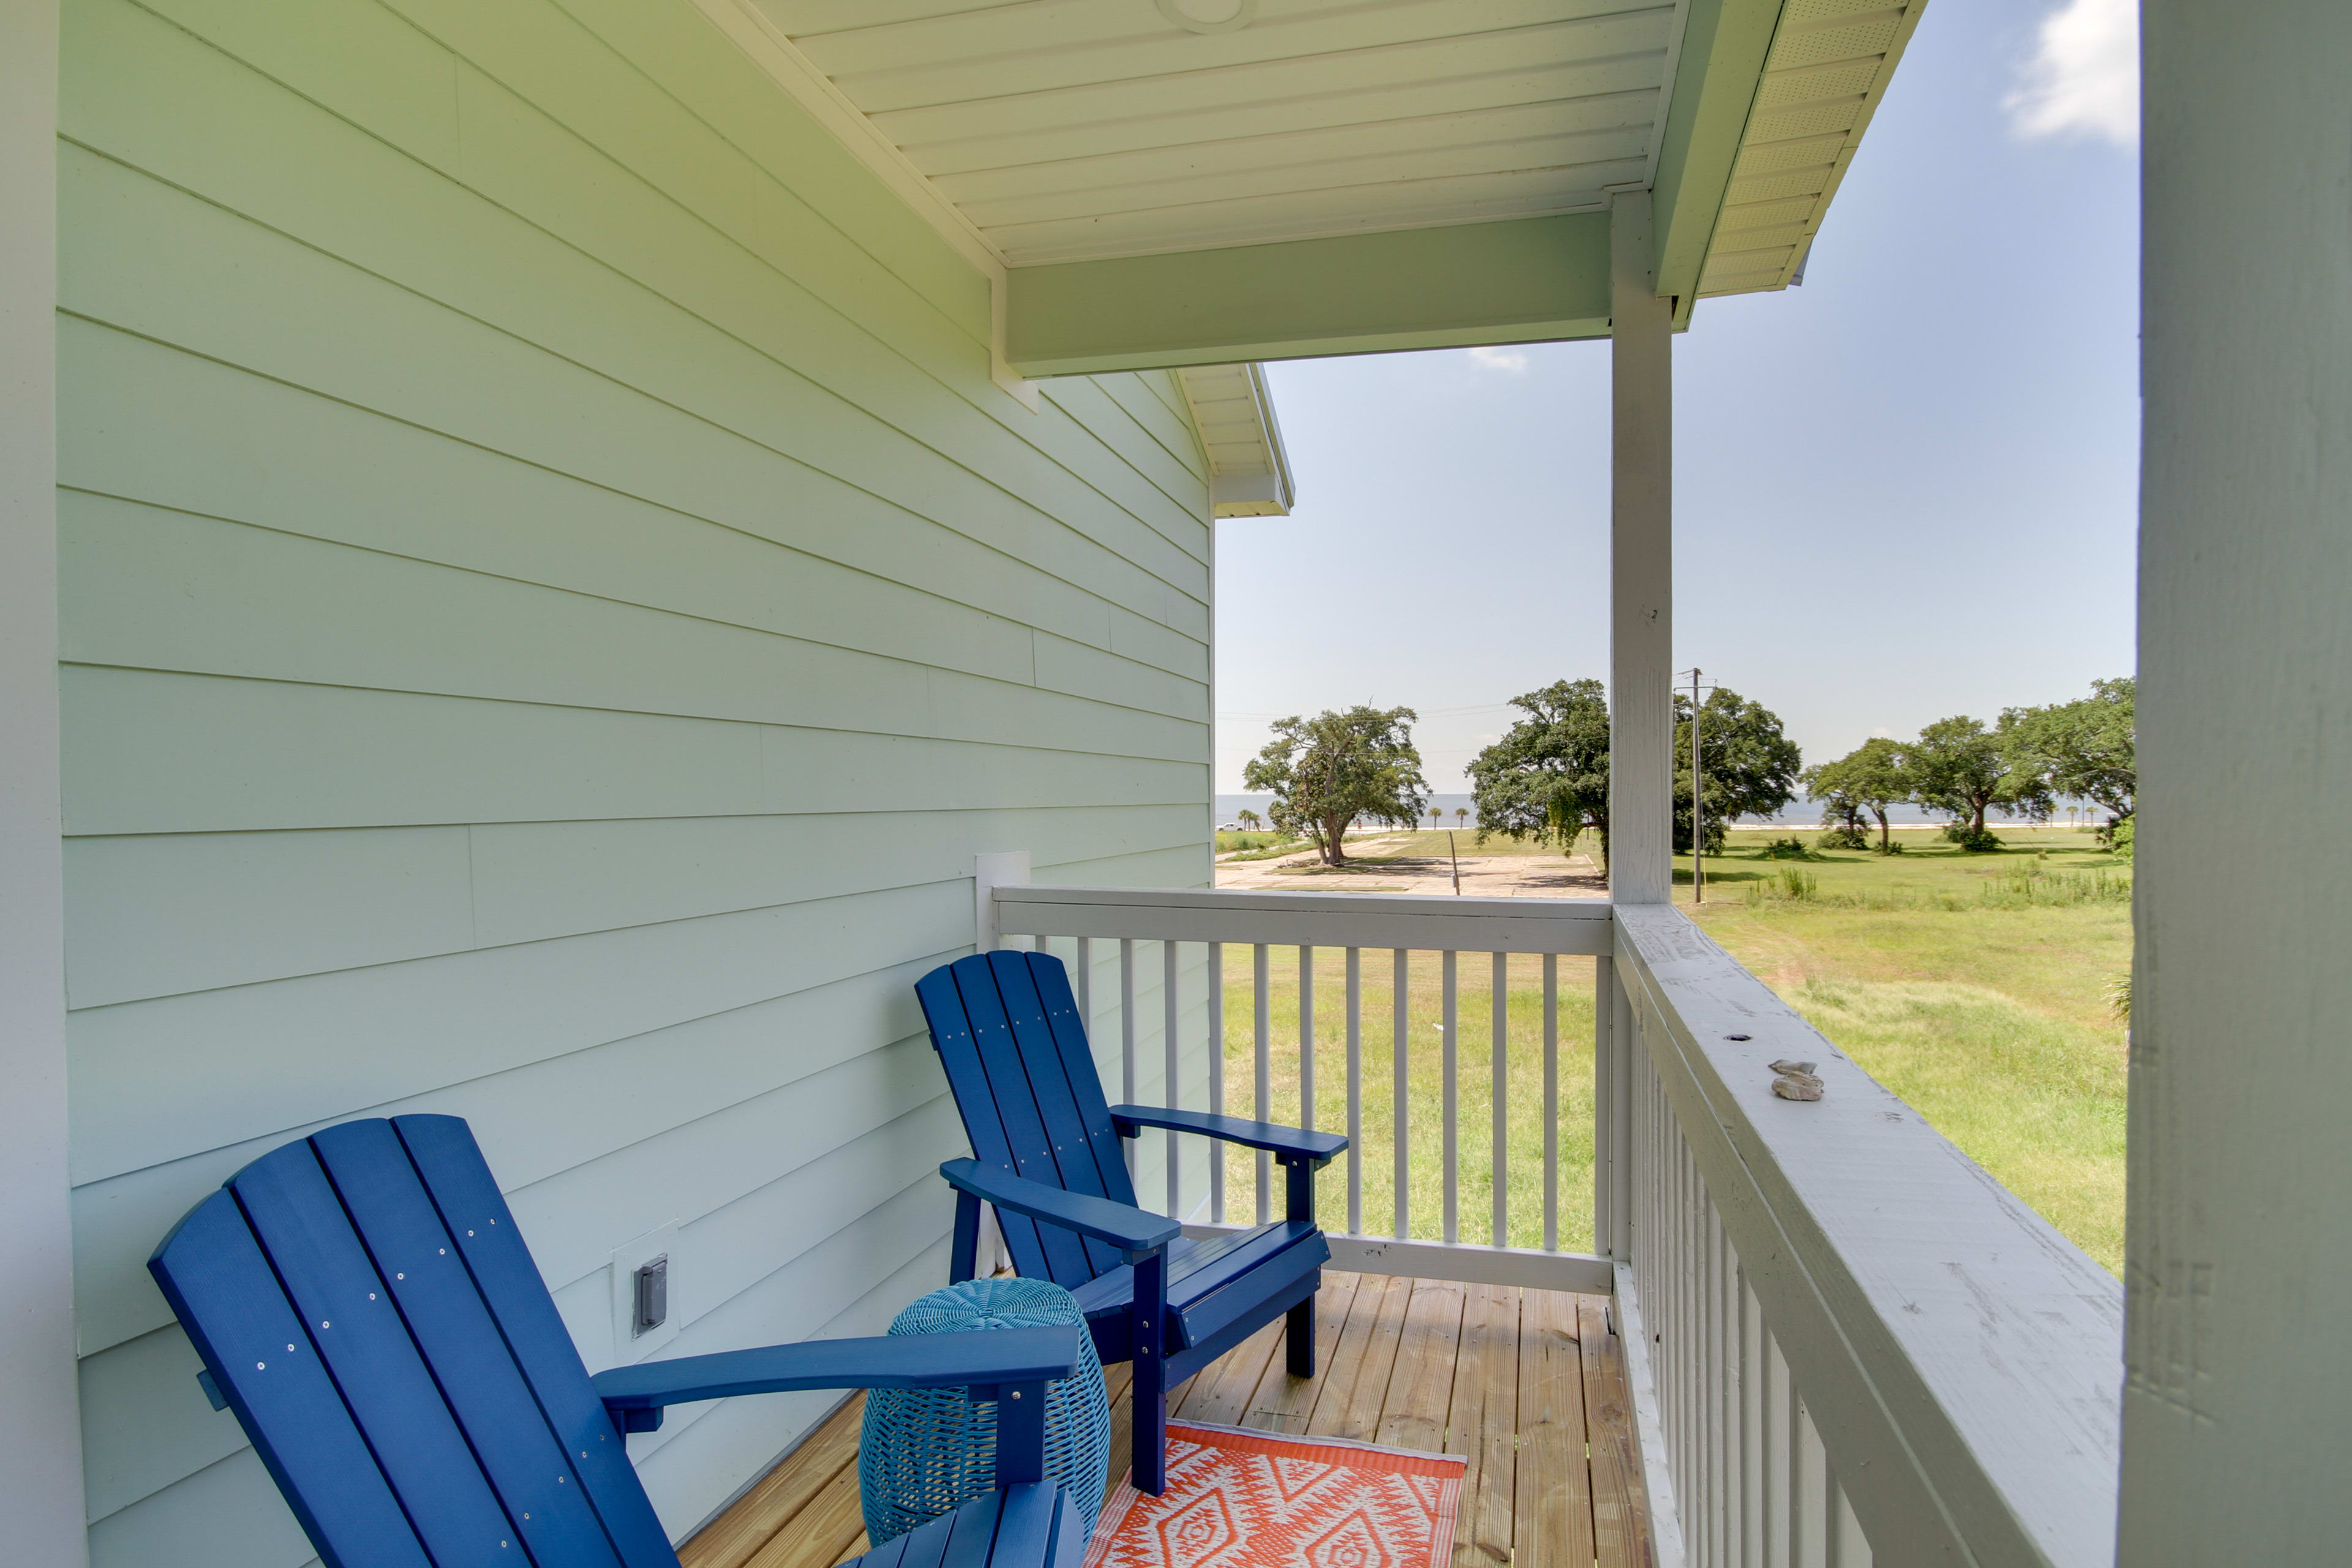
(1318, 920)
(1866, 1349)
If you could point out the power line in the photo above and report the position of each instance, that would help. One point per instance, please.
(1425, 712)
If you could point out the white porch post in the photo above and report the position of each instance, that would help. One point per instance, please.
(2238, 1258)
(1001, 868)
(40, 1433)
(1641, 566)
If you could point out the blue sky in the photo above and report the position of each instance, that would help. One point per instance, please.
(1905, 491)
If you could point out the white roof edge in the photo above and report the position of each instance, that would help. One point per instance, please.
(1233, 415)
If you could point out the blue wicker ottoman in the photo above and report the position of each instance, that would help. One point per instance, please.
(923, 1452)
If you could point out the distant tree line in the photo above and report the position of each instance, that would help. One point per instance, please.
(2019, 767)
(1547, 777)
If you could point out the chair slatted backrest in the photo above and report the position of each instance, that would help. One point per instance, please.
(366, 1304)
(1008, 1032)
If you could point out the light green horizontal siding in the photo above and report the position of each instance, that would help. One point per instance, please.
(154, 423)
(410, 264)
(157, 753)
(553, 603)
(156, 915)
(140, 587)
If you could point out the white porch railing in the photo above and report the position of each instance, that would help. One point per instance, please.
(1847, 1345)
(1391, 930)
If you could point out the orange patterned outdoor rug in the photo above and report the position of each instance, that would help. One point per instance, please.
(1259, 1499)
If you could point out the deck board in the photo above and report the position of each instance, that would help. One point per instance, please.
(1527, 1386)
(1287, 1403)
(1483, 1423)
(1619, 1530)
(1222, 1393)
(1420, 1389)
(1552, 1521)
(1357, 1385)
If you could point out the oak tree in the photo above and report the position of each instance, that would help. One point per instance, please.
(1748, 764)
(1327, 770)
(1872, 777)
(2081, 748)
(1959, 767)
(1547, 777)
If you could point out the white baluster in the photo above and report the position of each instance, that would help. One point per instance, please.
(1170, 1090)
(1265, 1073)
(1501, 1152)
(1452, 1087)
(1355, 1091)
(1307, 1038)
(1401, 1106)
(1551, 1103)
(1126, 1043)
(1217, 1077)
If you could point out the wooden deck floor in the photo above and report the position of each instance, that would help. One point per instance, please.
(1526, 1384)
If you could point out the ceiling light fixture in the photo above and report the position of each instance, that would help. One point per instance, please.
(1210, 16)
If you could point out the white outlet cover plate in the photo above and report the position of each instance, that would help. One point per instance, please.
(627, 1345)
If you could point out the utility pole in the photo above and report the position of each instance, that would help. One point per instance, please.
(1698, 801)
(1699, 804)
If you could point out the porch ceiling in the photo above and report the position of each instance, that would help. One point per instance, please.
(1067, 145)
(1083, 129)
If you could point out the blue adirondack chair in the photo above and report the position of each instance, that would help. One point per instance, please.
(363, 1301)
(1048, 1157)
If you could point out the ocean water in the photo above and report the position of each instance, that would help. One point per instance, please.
(1229, 807)
(1803, 813)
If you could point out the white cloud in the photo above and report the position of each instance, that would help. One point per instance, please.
(2084, 78)
(1498, 359)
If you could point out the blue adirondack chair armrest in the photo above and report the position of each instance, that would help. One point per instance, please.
(1019, 1362)
(1135, 1232)
(1286, 1143)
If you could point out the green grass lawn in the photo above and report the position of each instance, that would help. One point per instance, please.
(1263, 846)
(1975, 986)
(1257, 844)
(1424, 1088)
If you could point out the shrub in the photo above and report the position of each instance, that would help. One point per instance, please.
(1798, 885)
(1892, 847)
(1790, 848)
(2119, 839)
(2027, 883)
(1974, 840)
(1843, 839)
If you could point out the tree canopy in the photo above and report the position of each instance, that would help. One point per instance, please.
(1547, 777)
(1327, 770)
(1960, 767)
(1749, 766)
(1872, 777)
(2080, 748)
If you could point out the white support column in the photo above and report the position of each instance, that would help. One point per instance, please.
(1641, 566)
(1004, 868)
(2237, 1252)
(40, 1436)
